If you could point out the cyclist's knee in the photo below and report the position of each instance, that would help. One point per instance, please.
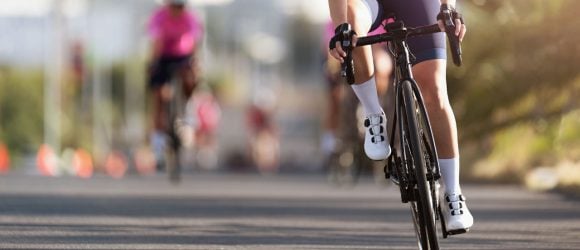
(359, 17)
(431, 77)
(163, 94)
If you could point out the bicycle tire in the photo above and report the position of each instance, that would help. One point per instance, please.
(425, 210)
(174, 111)
(418, 223)
(173, 161)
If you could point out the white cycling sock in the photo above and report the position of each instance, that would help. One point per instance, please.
(450, 175)
(368, 96)
(328, 142)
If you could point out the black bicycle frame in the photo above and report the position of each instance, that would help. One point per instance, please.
(398, 47)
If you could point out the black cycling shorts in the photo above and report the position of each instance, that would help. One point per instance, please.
(413, 13)
(164, 68)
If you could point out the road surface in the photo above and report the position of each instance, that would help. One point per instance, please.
(226, 211)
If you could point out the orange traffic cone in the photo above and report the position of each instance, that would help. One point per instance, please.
(116, 165)
(82, 163)
(144, 161)
(4, 159)
(46, 161)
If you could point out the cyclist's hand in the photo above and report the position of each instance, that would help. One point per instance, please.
(449, 18)
(343, 39)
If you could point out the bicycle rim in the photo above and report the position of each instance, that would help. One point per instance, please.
(425, 209)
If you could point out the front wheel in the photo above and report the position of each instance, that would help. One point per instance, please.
(422, 209)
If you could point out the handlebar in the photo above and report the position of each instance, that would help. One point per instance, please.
(390, 36)
(401, 33)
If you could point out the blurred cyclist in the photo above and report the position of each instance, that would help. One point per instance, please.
(429, 69)
(175, 33)
(331, 69)
(204, 113)
(264, 140)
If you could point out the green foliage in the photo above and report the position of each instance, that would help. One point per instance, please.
(21, 109)
(519, 79)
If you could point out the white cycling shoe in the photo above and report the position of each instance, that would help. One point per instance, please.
(456, 215)
(376, 143)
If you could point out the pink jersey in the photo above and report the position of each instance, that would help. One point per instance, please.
(329, 30)
(178, 34)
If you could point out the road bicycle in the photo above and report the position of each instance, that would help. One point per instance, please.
(413, 164)
(175, 116)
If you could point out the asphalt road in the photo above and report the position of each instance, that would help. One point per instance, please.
(211, 211)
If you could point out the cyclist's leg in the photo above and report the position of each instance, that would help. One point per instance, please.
(430, 73)
(383, 68)
(159, 111)
(158, 79)
(360, 15)
(431, 76)
(189, 73)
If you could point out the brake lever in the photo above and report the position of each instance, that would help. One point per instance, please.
(347, 69)
(454, 42)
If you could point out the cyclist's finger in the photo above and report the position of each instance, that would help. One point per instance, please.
(463, 31)
(336, 56)
(340, 50)
(441, 25)
(334, 53)
(458, 27)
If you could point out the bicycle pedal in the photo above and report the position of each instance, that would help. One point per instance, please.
(387, 172)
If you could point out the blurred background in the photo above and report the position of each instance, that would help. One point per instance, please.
(74, 100)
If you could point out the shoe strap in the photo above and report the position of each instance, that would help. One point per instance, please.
(454, 197)
(374, 123)
(456, 203)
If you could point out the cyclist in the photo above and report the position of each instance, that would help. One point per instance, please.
(175, 33)
(429, 69)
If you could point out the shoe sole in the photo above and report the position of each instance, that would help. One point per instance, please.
(458, 231)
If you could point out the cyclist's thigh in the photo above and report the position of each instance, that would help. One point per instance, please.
(419, 13)
(360, 15)
(188, 70)
(159, 73)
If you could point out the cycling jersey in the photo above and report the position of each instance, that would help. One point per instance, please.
(413, 13)
(178, 34)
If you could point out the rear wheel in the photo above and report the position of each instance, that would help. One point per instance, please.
(423, 209)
